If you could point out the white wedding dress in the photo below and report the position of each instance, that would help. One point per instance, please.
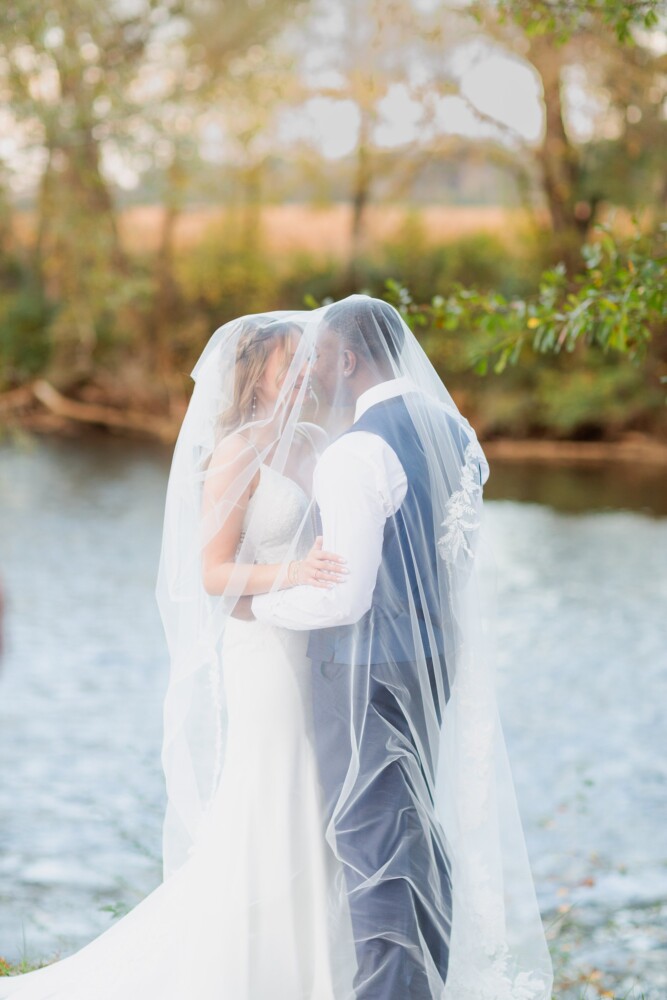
(251, 914)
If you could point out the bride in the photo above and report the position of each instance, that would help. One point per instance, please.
(246, 915)
(271, 852)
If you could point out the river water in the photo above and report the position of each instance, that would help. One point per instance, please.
(581, 558)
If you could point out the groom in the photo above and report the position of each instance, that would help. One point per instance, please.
(384, 622)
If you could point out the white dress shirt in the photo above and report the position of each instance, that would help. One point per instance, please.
(358, 483)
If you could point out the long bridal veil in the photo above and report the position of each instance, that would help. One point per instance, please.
(431, 640)
(444, 612)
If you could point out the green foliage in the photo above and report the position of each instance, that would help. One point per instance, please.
(117, 910)
(430, 268)
(468, 331)
(573, 378)
(221, 278)
(616, 305)
(574, 337)
(25, 315)
(561, 18)
(18, 968)
(416, 261)
(597, 398)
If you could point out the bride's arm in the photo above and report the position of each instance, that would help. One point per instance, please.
(229, 468)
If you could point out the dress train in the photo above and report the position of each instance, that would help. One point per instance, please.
(252, 913)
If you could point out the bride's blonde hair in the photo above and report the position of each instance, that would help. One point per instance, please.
(253, 350)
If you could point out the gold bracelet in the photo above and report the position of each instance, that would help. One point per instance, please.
(293, 572)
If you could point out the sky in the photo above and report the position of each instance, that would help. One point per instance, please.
(490, 80)
(500, 87)
(499, 97)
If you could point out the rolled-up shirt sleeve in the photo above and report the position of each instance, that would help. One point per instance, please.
(355, 488)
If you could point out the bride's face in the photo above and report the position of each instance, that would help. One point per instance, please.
(278, 364)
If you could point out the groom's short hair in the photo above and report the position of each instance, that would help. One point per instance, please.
(369, 327)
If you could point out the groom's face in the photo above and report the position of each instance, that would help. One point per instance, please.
(327, 368)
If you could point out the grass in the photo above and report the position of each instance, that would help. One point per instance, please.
(14, 969)
(563, 933)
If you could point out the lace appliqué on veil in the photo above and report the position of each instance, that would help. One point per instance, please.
(474, 978)
(482, 964)
(461, 510)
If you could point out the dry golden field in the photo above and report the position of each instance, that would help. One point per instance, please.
(325, 231)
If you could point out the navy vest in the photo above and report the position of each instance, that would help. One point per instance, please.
(409, 553)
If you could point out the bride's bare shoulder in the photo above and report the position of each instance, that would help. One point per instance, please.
(234, 466)
(235, 451)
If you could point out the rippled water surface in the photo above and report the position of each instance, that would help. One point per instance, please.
(581, 558)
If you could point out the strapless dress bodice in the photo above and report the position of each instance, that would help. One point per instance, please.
(278, 512)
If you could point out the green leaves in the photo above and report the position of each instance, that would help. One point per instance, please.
(615, 304)
(561, 18)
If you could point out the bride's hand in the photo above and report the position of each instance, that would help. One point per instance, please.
(318, 569)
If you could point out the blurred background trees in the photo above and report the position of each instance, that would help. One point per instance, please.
(169, 165)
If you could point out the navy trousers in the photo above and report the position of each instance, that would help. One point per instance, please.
(385, 825)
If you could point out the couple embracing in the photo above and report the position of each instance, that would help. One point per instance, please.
(341, 823)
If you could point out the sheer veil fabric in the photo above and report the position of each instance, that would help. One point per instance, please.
(377, 689)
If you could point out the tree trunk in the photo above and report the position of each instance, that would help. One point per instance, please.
(78, 246)
(105, 416)
(251, 224)
(166, 311)
(558, 159)
(361, 193)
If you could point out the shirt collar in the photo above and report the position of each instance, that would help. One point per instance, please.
(383, 390)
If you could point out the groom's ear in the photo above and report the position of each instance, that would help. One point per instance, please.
(349, 363)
